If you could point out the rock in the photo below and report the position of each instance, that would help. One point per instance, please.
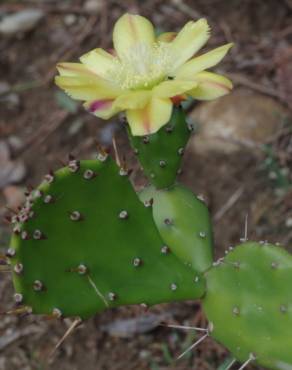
(14, 196)
(93, 6)
(21, 21)
(241, 119)
(10, 171)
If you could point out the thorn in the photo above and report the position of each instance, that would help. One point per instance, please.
(181, 151)
(244, 239)
(74, 325)
(230, 364)
(148, 203)
(102, 152)
(116, 151)
(48, 199)
(7, 219)
(123, 215)
(38, 286)
(202, 234)
(168, 222)
(194, 345)
(173, 286)
(165, 249)
(50, 177)
(146, 140)
(38, 235)
(76, 216)
(185, 327)
(18, 268)
(99, 294)
(250, 359)
(162, 164)
(137, 262)
(18, 311)
(89, 174)
(112, 296)
(74, 165)
(18, 298)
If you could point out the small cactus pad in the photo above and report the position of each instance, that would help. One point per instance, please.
(249, 302)
(160, 154)
(84, 242)
(184, 224)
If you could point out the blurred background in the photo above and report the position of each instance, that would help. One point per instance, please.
(239, 158)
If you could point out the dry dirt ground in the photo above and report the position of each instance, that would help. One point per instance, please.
(39, 127)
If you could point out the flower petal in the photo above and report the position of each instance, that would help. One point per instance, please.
(103, 108)
(203, 62)
(99, 61)
(189, 40)
(166, 37)
(131, 30)
(133, 99)
(168, 89)
(210, 86)
(87, 87)
(73, 69)
(149, 119)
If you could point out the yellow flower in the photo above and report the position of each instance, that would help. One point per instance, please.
(145, 74)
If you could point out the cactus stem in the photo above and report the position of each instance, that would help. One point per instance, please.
(74, 324)
(97, 291)
(194, 345)
(248, 361)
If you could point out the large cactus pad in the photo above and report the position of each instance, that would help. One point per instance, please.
(184, 224)
(249, 302)
(84, 242)
(160, 154)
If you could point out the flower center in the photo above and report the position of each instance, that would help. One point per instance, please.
(143, 66)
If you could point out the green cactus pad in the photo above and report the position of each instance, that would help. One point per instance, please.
(249, 302)
(184, 224)
(85, 242)
(160, 154)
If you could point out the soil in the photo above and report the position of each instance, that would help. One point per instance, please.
(45, 128)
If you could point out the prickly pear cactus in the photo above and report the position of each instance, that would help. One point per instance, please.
(249, 302)
(160, 154)
(84, 242)
(184, 224)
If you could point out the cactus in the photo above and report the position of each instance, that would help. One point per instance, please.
(184, 224)
(249, 302)
(160, 154)
(77, 250)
